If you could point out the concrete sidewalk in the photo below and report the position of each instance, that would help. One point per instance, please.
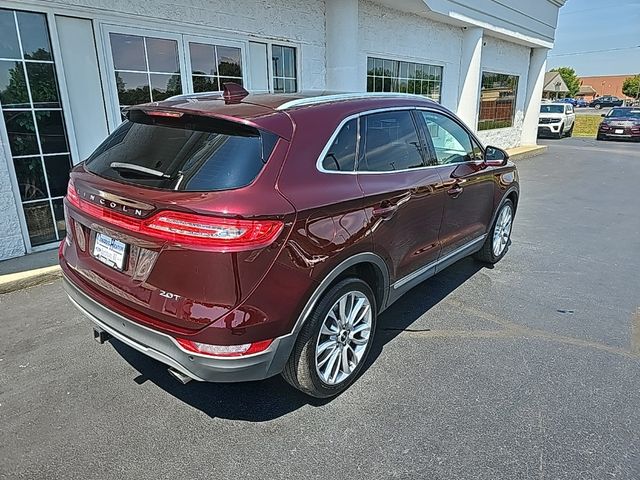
(29, 270)
(42, 267)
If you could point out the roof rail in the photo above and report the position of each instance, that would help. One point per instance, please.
(301, 102)
(196, 96)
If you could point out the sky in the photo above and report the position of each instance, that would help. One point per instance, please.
(588, 25)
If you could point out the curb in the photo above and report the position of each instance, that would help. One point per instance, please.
(534, 151)
(30, 278)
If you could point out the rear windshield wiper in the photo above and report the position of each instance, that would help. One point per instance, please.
(139, 169)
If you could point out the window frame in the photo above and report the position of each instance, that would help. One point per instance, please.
(297, 66)
(65, 108)
(416, 61)
(515, 99)
(422, 135)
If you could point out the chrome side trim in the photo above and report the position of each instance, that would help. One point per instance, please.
(415, 274)
(302, 102)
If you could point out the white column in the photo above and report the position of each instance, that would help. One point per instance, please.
(535, 83)
(470, 76)
(342, 45)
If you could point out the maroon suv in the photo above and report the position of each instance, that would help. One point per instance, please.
(235, 237)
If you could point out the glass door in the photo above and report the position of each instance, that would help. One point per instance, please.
(34, 119)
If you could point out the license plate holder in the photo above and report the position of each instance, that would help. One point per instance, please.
(619, 131)
(110, 251)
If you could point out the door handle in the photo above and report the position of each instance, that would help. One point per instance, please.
(385, 212)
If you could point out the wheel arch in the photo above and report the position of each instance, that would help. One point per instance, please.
(367, 266)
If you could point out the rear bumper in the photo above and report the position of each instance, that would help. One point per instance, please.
(163, 347)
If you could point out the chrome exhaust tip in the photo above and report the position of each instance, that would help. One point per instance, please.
(181, 377)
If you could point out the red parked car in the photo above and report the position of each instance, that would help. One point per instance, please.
(235, 237)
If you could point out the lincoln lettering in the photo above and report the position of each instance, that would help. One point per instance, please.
(112, 205)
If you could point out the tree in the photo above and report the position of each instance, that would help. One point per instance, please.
(631, 86)
(570, 78)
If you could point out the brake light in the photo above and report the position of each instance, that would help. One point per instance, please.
(163, 113)
(224, 350)
(188, 229)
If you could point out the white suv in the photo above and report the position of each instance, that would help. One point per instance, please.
(556, 119)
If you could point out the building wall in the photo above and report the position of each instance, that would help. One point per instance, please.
(606, 84)
(302, 21)
(11, 241)
(510, 58)
(401, 36)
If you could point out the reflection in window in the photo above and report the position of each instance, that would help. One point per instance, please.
(404, 77)
(146, 69)
(30, 102)
(342, 154)
(391, 142)
(284, 69)
(214, 65)
(450, 141)
(497, 100)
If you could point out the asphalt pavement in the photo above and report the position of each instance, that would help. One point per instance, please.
(528, 370)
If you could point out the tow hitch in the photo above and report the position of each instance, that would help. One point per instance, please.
(101, 336)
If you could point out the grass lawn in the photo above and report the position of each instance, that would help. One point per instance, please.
(586, 125)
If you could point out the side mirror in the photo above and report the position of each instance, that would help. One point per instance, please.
(603, 115)
(495, 157)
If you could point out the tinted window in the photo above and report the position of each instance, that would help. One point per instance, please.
(391, 142)
(188, 153)
(546, 108)
(451, 142)
(342, 154)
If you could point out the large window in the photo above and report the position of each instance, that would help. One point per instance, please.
(214, 65)
(146, 69)
(404, 77)
(497, 100)
(283, 61)
(32, 112)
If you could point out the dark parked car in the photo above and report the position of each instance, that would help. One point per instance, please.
(620, 122)
(240, 236)
(606, 101)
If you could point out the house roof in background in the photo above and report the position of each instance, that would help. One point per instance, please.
(553, 83)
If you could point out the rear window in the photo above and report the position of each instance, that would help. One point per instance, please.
(187, 153)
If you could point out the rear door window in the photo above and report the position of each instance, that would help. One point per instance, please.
(341, 156)
(185, 153)
(390, 143)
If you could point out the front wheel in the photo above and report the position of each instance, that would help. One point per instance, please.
(334, 342)
(570, 132)
(497, 242)
(597, 106)
(560, 133)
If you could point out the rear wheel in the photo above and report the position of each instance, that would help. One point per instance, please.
(334, 342)
(597, 106)
(497, 242)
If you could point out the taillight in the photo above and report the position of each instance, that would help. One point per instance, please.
(189, 229)
(224, 350)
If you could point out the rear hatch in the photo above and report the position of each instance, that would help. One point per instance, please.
(176, 216)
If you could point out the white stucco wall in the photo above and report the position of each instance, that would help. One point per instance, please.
(11, 242)
(302, 21)
(396, 35)
(505, 57)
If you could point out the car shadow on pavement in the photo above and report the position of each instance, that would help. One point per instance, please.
(272, 398)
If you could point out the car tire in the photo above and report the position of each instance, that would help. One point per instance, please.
(560, 133)
(305, 368)
(597, 106)
(499, 232)
(570, 132)
(600, 137)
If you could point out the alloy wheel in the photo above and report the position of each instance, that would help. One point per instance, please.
(343, 338)
(502, 230)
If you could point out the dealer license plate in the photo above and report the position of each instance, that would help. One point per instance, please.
(109, 251)
(619, 131)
